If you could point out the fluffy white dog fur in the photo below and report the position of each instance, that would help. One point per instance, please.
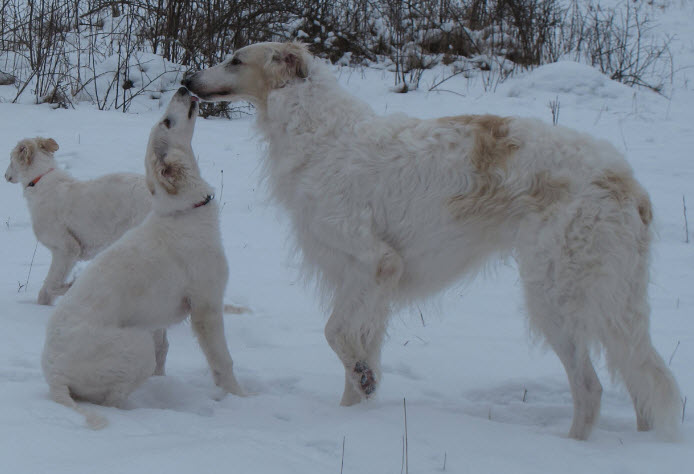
(99, 343)
(74, 219)
(389, 209)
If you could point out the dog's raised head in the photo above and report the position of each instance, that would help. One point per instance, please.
(30, 158)
(173, 176)
(252, 72)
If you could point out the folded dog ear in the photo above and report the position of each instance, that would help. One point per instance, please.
(292, 58)
(48, 144)
(24, 151)
(170, 175)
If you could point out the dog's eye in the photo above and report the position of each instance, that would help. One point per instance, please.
(167, 123)
(235, 62)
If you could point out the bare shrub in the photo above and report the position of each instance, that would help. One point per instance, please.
(7, 79)
(619, 41)
(111, 52)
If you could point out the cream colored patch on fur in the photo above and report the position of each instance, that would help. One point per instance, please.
(491, 198)
(491, 151)
(486, 199)
(270, 66)
(289, 63)
(170, 175)
(24, 151)
(48, 144)
(492, 147)
(253, 73)
(545, 191)
(624, 188)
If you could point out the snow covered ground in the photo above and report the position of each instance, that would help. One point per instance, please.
(481, 396)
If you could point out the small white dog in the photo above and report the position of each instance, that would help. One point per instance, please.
(74, 219)
(99, 344)
(390, 209)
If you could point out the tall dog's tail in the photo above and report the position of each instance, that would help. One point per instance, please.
(61, 394)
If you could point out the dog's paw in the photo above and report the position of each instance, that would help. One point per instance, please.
(45, 298)
(159, 371)
(227, 382)
(365, 378)
(219, 394)
(389, 269)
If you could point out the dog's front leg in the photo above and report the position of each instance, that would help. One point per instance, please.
(208, 325)
(62, 262)
(355, 332)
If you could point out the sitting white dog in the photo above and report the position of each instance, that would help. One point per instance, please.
(99, 340)
(74, 219)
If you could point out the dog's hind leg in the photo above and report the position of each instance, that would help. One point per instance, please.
(355, 331)
(161, 348)
(208, 324)
(573, 352)
(555, 275)
(619, 288)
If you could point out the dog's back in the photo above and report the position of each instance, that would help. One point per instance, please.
(100, 211)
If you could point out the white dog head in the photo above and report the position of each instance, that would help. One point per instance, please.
(31, 158)
(251, 73)
(173, 176)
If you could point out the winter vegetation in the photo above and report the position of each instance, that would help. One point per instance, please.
(466, 388)
(109, 52)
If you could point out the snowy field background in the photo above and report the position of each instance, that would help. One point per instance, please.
(481, 396)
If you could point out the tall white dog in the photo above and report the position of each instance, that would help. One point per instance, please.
(99, 340)
(74, 219)
(390, 209)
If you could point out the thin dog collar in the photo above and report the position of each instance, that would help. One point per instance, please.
(36, 180)
(207, 199)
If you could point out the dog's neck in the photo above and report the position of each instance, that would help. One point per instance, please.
(314, 106)
(173, 211)
(34, 181)
(303, 117)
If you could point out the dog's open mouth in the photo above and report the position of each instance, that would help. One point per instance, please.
(193, 106)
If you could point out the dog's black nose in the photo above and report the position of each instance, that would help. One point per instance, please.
(182, 91)
(187, 78)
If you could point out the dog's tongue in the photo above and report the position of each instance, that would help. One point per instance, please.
(193, 98)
